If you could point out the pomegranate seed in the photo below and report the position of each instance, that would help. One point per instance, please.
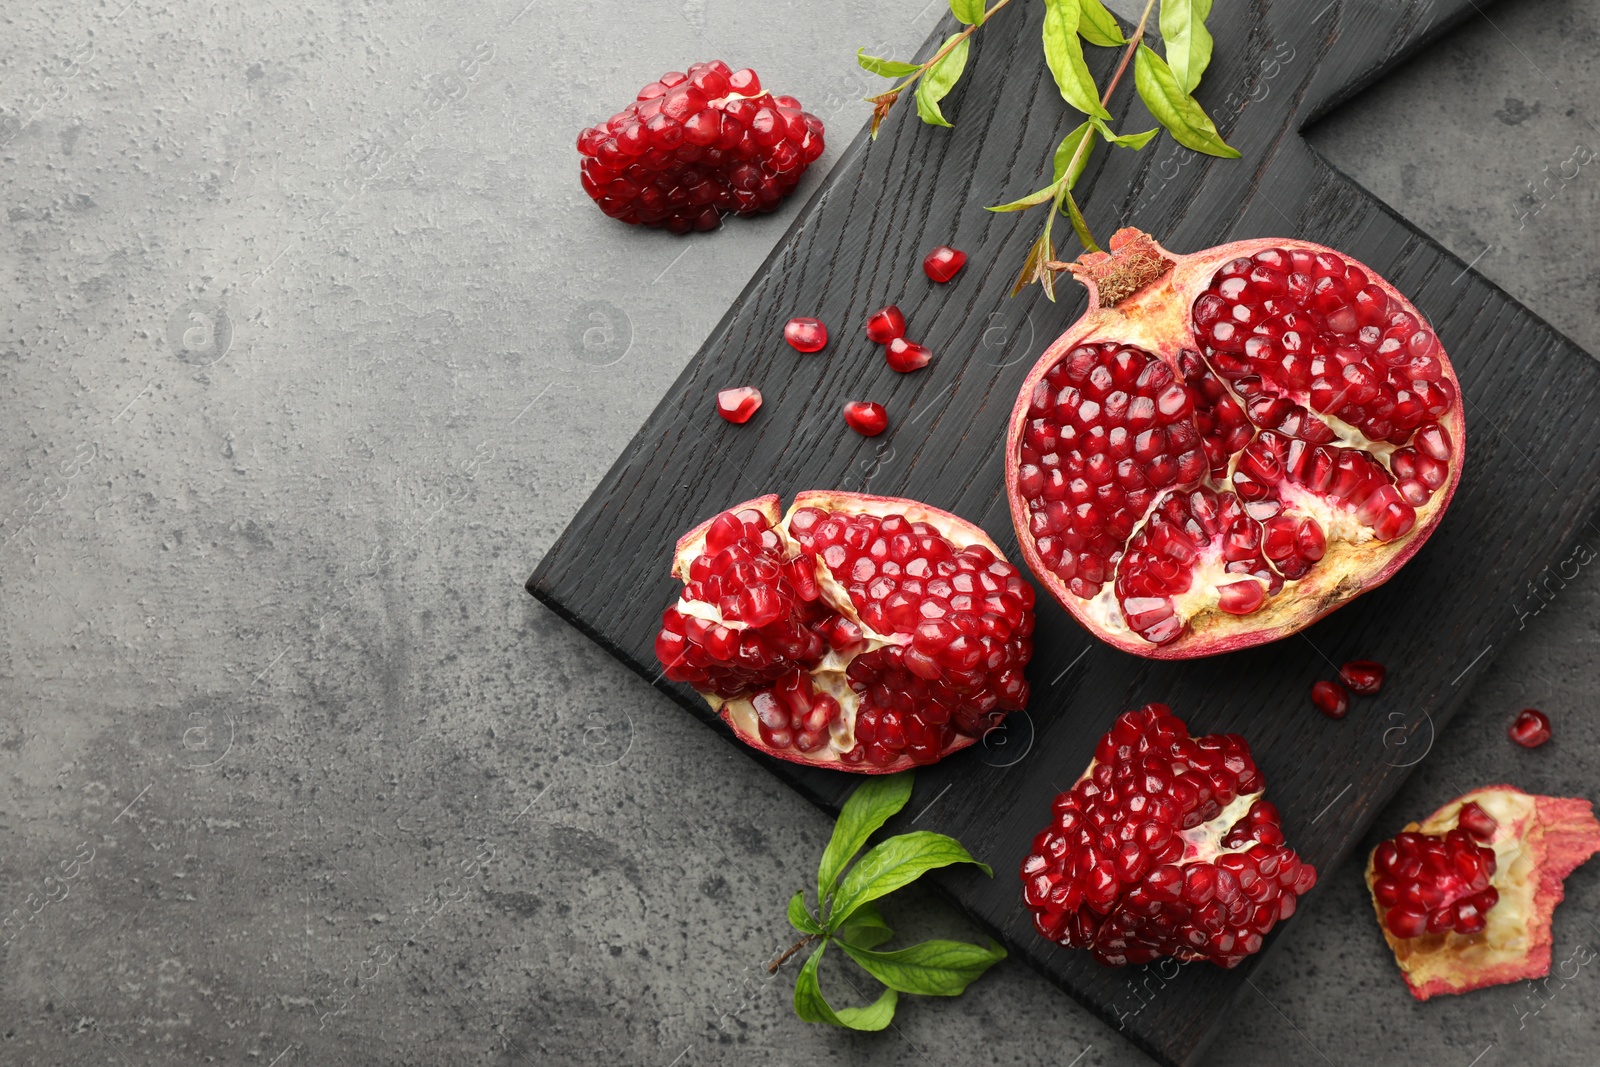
(885, 324)
(906, 356)
(805, 335)
(1530, 729)
(944, 263)
(1330, 699)
(866, 418)
(1362, 676)
(738, 404)
(1477, 822)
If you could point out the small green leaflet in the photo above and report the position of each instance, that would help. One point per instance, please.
(1174, 108)
(868, 808)
(864, 929)
(1097, 25)
(1065, 56)
(931, 969)
(889, 68)
(969, 12)
(1134, 141)
(810, 1005)
(1187, 42)
(1069, 150)
(897, 862)
(940, 78)
(1080, 227)
(799, 917)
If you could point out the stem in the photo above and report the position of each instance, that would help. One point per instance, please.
(772, 968)
(951, 43)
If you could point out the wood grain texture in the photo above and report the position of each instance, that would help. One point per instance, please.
(1528, 490)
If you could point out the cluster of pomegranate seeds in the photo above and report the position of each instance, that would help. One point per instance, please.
(738, 404)
(1330, 699)
(1435, 883)
(866, 418)
(1164, 848)
(1530, 729)
(805, 334)
(887, 326)
(943, 263)
(1363, 676)
(930, 647)
(698, 145)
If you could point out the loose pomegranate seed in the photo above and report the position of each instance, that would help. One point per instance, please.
(885, 324)
(805, 335)
(905, 355)
(1362, 676)
(866, 418)
(738, 404)
(1530, 729)
(944, 263)
(695, 146)
(1477, 822)
(1433, 884)
(1330, 699)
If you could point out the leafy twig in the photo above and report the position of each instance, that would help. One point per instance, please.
(846, 916)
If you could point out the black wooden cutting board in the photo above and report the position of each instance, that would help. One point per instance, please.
(1529, 487)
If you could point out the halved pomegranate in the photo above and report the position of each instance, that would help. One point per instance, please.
(1229, 445)
(1164, 847)
(1474, 886)
(859, 633)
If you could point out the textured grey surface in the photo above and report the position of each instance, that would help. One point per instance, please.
(311, 345)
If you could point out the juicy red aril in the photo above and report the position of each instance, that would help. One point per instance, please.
(1362, 676)
(885, 324)
(738, 404)
(1330, 699)
(905, 355)
(1530, 729)
(1163, 848)
(943, 263)
(866, 418)
(1434, 883)
(698, 145)
(1477, 822)
(805, 335)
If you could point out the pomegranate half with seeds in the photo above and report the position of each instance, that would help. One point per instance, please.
(1229, 445)
(859, 633)
(1465, 897)
(1164, 847)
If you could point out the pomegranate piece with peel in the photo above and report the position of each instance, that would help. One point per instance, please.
(1465, 897)
(906, 356)
(885, 324)
(1228, 445)
(1530, 729)
(866, 418)
(695, 146)
(1331, 699)
(1362, 676)
(859, 633)
(943, 263)
(805, 335)
(739, 403)
(1164, 847)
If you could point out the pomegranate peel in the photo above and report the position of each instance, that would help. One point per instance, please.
(855, 632)
(1229, 445)
(1537, 841)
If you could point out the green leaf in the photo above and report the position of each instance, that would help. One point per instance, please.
(868, 808)
(864, 929)
(1174, 108)
(893, 863)
(889, 68)
(940, 78)
(1033, 267)
(1188, 44)
(931, 969)
(1065, 56)
(1031, 200)
(1079, 227)
(811, 1006)
(1134, 141)
(1068, 148)
(1097, 25)
(799, 917)
(969, 12)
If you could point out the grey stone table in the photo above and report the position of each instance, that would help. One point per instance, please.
(309, 347)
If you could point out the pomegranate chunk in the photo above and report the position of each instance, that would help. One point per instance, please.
(805, 335)
(866, 418)
(943, 263)
(738, 404)
(1465, 897)
(1331, 699)
(1230, 444)
(885, 324)
(905, 356)
(1164, 847)
(856, 632)
(1530, 729)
